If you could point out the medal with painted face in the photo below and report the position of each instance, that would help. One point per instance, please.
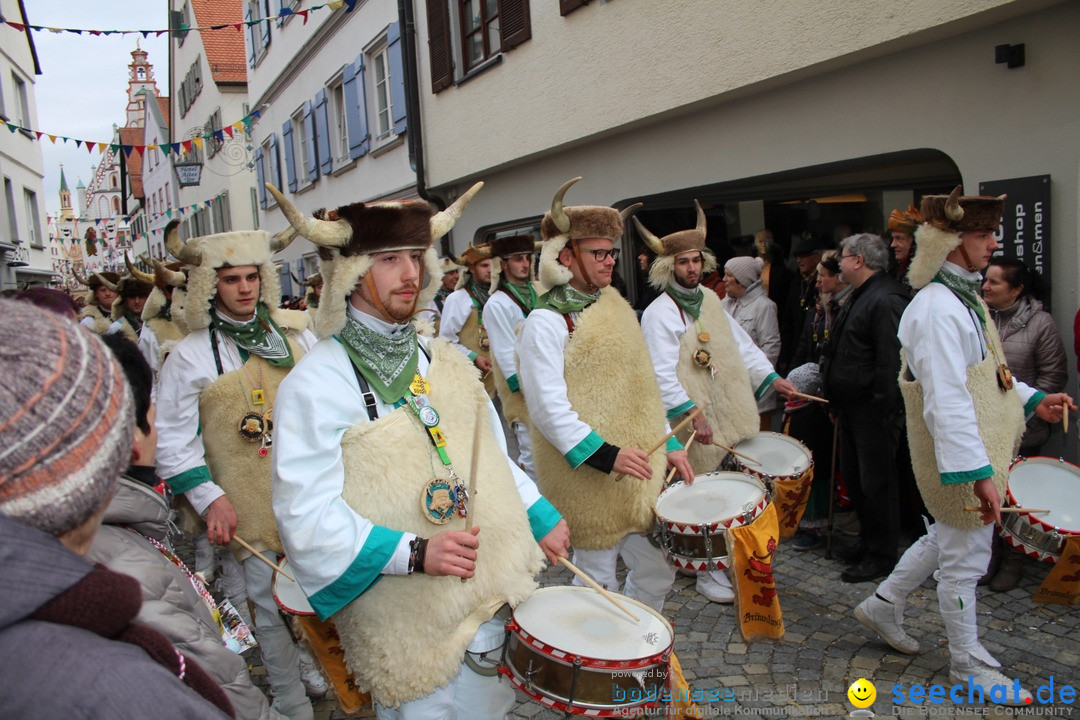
(702, 358)
(438, 501)
(253, 426)
(485, 344)
(428, 416)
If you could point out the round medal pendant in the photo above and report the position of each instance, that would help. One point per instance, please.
(702, 358)
(253, 426)
(485, 344)
(703, 337)
(437, 501)
(428, 416)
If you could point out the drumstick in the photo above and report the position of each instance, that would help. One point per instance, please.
(470, 505)
(244, 544)
(689, 418)
(597, 587)
(1065, 418)
(689, 442)
(733, 451)
(975, 508)
(804, 396)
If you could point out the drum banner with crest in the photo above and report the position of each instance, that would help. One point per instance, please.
(1062, 585)
(326, 647)
(753, 548)
(790, 495)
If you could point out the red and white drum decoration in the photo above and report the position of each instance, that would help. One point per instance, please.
(288, 594)
(1048, 484)
(778, 457)
(693, 517)
(573, 651)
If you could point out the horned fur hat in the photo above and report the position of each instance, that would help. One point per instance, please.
(133, 284)
(505, 247)
(206, 255)
(96, 280)
(361, 230)
(473, 254)
(170, 276)
(667, 248)
(944, 218)
(563, 224)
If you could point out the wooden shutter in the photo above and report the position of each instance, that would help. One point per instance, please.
(251, 33)
(356, 108)
(264, 26)
(439, 48)
(397, 77)
(260, 176)
(568, 6)
(322, 132)
(514, 23)
(311, 164)
(290, 156)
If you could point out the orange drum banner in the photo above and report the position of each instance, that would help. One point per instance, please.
(752, 549)
(1062, 585)
(790, 496)
(326, 647)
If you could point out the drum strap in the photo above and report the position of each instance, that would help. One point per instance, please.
(504, 613)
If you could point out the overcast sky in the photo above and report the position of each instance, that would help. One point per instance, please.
(82, 89)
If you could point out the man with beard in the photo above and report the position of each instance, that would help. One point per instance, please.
(462, 321)
(376, 418)
(702, 358)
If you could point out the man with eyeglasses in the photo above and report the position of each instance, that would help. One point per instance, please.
(594, 403)
(702, 358)
(512, 298)
(861, 363)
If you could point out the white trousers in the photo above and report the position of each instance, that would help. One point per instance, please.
(962, 557)
(525, 456)
(649, 578)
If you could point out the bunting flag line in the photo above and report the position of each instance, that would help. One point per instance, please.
(239, 25)
(183, 147)
(170, 214)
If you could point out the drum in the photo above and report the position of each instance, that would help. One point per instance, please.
(693, 517)
(778, 457)
(571, 650)
(288, 594)
(1048, 484)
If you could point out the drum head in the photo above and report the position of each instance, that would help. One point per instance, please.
(713, 497)
(1048, 484)
(288, 594)
(778, 455)
(580, 621)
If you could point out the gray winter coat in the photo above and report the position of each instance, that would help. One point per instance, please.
(756, 314)
(49, 670)
(170, 603)
(1035, 354)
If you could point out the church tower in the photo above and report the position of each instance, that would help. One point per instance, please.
(140, 77)
(66, 211)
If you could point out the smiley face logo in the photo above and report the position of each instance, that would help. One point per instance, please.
(862, 693)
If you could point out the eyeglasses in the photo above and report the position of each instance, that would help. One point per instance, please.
(842, 256)
(602, 255)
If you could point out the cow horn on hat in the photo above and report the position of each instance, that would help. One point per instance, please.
(104, 281)
(295, 279)
(651, 240)
(702, 226)
(282, 240)
(81, 278)
(172, 278)
(178, 248)
(953, 211)
(630, 210)
(328, 233)
(138, 274)
(442, 222)
(558, 215)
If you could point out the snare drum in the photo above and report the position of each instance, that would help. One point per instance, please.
(693, 517)
(1048, 484)
(288, 594)
(778, 457)
(571, 650)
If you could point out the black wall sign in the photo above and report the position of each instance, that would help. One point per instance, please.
(1025, 221)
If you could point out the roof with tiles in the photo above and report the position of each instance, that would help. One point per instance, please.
(225, 52)
(133, 136)
(163, 106)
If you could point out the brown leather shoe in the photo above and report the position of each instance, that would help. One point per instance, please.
(1008, 574)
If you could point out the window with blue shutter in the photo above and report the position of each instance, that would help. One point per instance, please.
(251, 36)
(290, 155)
(397, 77)
(264, 27)
(356, 109)
(260, 176)
(275, 162)
(311, 163)
(322, 132)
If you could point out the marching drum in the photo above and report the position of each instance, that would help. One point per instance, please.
(779, 457)
(693, 517)
(1042, 483)
(572, 650)
(288, 594)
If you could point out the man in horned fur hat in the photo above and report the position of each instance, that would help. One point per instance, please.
(965, 417)
(97, 315)
(594, 403)
(131, 294)
(371, 427)
(702, 358)
(162, 324)
(215, 420)
(462, 321)
(513, 297)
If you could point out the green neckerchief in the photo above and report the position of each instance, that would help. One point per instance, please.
(135, 320)
(966, 290)
(518, 291)
(260, 337)
(478, 294)
(688, 300)
(564, 299)
(388, 362)
(165, 313)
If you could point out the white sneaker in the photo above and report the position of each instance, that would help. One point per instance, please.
(314, 682)
(887, 620)
(717, 592)
(987, 677)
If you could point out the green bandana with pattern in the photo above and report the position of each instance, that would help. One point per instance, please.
(525, 294)
(966, 290)
(564, 299)
(260, 337)
(135, 320)
(688, 300)
(388, 362)
(478, 293)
